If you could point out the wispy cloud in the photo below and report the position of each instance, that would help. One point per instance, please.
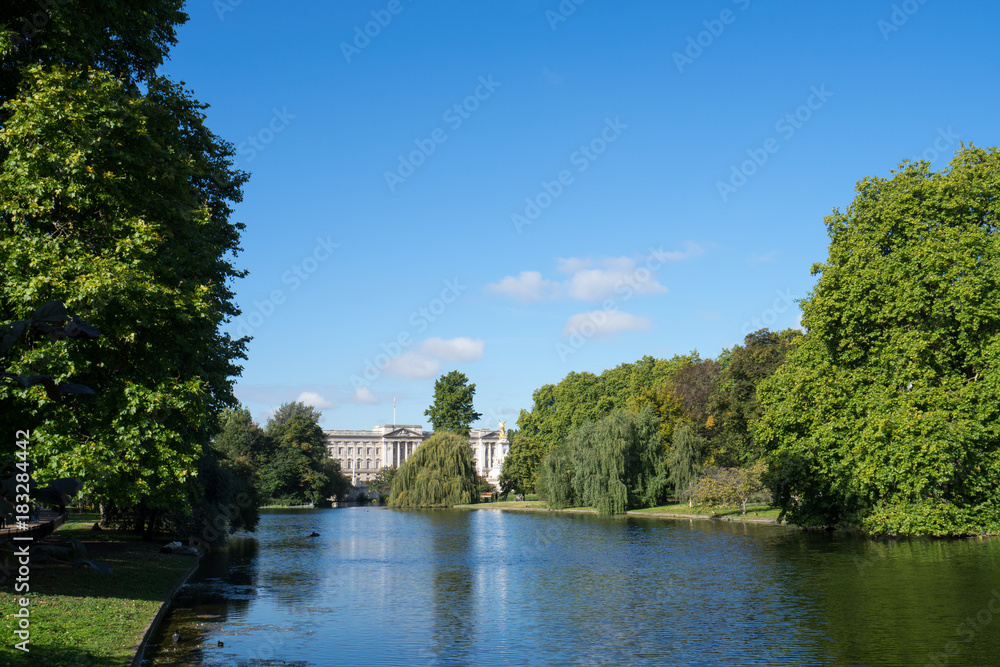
(315, 400)
(590, 279)
(527, 286)
(604, 324)
(763, 259)
(425, 361)
(365, 395)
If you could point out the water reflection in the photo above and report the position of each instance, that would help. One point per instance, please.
(450, 587)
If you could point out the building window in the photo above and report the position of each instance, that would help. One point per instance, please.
(341, 452)
(350, 450)
(368, 463)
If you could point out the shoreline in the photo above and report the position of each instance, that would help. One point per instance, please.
(737, 518)
(161, 613)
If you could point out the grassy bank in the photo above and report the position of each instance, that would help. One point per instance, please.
(81, 618)
(683, 509)
(754, 512)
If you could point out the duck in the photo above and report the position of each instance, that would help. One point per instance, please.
(314, 534)
(176, 637)
(221, 645)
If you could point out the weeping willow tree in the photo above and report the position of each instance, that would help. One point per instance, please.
(613, 465)
(440, 473)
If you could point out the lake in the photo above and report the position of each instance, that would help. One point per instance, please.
(493, 587)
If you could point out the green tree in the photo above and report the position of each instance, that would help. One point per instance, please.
(439, 473)
(452, 409)
(286, 411)
(734, 405)
(298, 470)
(614, 465)
(381, 483)
(683, 462)
(115, 200)
(729, 487)
(887, 414)
(520, 467)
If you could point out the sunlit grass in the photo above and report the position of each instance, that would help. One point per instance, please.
(84, 618)
(754, 511)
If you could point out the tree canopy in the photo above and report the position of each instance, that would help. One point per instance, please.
(613, 465)
(452, 409)
(115, 199)
(439, 473)
(886, 415)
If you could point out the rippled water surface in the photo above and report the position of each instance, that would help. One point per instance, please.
(491, 587)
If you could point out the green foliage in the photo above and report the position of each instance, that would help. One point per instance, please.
(452, 409)
(115, 200)
(613, 465)
(886, 414)
(683, 462)
(381, 483)
(729, 487)
(520, 467)
(296, 468)
(584, 397)
(439, 473)
(733, 404)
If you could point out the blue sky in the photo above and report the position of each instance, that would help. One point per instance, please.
(520, 189)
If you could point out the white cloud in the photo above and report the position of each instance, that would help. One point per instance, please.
(414, 366)
(315, 400)
(459, 349)
(763, 259)
(425, 361)
(691, 249)
(604, 324)
(594, 279)
(528, 286)
(365, 395)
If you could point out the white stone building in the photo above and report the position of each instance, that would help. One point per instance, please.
(363, 453)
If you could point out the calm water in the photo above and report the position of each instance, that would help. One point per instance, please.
(487, 587)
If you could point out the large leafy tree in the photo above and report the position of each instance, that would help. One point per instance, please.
(115, 200)
(452, 409)
(887, 413)
(733, 403)
(520, 466)
(440, 473)
(297, 468)
(614, 465)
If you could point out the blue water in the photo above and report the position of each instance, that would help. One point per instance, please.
(491, 587)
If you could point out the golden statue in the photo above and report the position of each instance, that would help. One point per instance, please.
(503, 430)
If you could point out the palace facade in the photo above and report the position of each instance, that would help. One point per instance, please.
(363, 453)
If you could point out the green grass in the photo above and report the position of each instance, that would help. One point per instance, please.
(758, 511)
(506, 504)
(81, 618)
